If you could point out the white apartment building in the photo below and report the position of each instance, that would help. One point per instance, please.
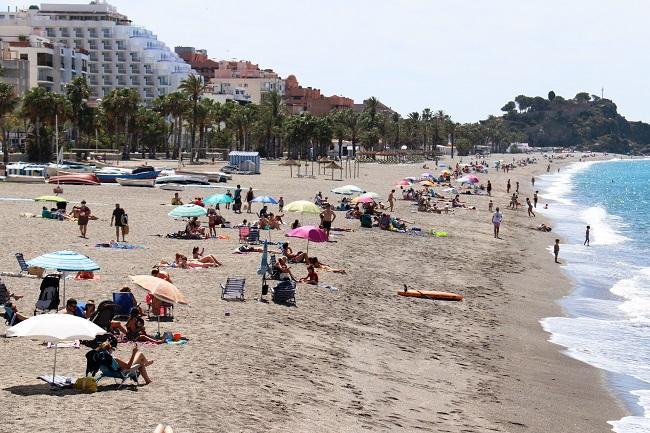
(120, 54)
(48, 65)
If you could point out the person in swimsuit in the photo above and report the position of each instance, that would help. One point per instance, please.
(556, 249)
(119, 218)
(586, 242)
(199, 257)
(535, 199)
(391, 200)
(135, 328)
(312, 276)
(284, 270)
(299, 257)
(84, 216)
(530, 207)
(313, 261)
(327, 217)
(249, 199)
(497, 217)
(212, 222)
(105, 357)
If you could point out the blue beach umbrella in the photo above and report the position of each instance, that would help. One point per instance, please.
(188, 211)
(265, 199)
(218, 199)
(64, 261)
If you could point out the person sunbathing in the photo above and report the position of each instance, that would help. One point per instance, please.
(105, 357)
(295, 225)
(193, 228)
(313, 261)
(199, 256)
(155, 272)
(135, 328)
(275, 221)
(263, 223)
(19, 317)
(312, 276)
(284, 270)
(299, 257)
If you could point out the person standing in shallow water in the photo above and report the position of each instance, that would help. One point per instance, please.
(535, 198)
(556, 249)
(586, 242)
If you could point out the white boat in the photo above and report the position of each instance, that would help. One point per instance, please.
(26, 173)
(183, 180)
(213, 176)
(135, 182)
(69, 168)
(172, 187)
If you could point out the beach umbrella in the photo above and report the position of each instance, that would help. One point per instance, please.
(411, 179)
(187, 211)
(403, 182)
(303, 207)
(265, 199)
(51, 198)
(160, 289)
(363, 199)
(371, 194)
(217, 199)
(54, 328)
(427, 183)
(291, 164)
(334, 166)
(472, 178)
(311, 233)
(465, 179)
(451, 190)
(64, 261)
(347, 190)
(427, 175)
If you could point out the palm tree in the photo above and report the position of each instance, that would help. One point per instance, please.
(272, 114)
(395, 120)
(77, 92)
(122, 104)
(178, 106)
(370, 108)
(194, 86)
(352, 121)
(426, 118)
(339, 128)
(40, 107)
(8, 103)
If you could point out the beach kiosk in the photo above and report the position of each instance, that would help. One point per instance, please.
(245, 161)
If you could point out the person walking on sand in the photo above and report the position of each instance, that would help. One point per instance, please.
(84, 216)
(489, 188)
(530, 207)
(535, 198)
(237, 200)
(490, 206)
(120, 219)
(497, 217)
(556, 249)
(508, 187)
(327, 217)
(391, 199)
(517, 188)
(532, 180)
(586, 242)
(249, 199)
(280, 204)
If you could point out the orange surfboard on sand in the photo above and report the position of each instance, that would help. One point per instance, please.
(431, 294)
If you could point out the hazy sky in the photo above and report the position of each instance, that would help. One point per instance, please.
(465, 57)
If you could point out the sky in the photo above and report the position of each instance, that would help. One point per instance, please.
(465, 57)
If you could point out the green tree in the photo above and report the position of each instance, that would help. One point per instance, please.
(272, 112)
(509, 107)
(194, 86)
(8, 103)
(77, 92)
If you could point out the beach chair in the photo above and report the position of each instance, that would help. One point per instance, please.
(22, 263)
(244, 231)
(284, 293)
(102, 317)
(366, 221)
(234, 288)
(125, 301)
(273, 272)
(120, 376)
(253, 236)
(56, 381)
(9, 315)
(48, 299)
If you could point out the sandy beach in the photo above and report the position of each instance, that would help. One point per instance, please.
(357, 359)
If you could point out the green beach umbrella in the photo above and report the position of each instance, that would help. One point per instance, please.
(51, 198)
(188, 211)
(218, 199)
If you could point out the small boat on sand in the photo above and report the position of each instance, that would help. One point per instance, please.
(135, 182)
(183, 180)
(172, 187)
(75, 179)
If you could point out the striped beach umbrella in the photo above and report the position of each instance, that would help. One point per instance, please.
(188, 211)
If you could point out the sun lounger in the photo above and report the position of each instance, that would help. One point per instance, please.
(125, 301)
(234, 288)
(122, 375)
(58, 381)
(284, 293)
(21, 262)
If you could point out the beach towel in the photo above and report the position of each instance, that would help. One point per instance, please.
(84, 276)
(120, 246)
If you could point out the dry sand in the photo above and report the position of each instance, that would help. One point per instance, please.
(359, 359)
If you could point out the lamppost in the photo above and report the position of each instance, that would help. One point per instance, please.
(98, 107)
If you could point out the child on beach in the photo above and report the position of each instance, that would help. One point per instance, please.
(556, 249)
(530, 207)
(490, 204)
(312, 276)
(586, 242)
(212, 222)
(280, 204)
(497, 217)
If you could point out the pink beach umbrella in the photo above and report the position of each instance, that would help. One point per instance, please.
(363, 199)
(472, 178)
(403, 182)
(311, 233)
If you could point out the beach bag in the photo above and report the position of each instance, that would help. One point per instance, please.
(125, 220)
(86, 384)
(125, 229)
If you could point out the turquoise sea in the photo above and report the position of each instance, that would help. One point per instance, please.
(608, 313)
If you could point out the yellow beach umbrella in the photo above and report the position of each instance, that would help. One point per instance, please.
(303, 207)
(51, 198)
(427, 183)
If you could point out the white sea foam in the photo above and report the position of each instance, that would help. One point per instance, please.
(635, 424)
(603, 226)
(636, 292)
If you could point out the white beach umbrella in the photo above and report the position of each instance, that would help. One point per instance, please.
(54, 328)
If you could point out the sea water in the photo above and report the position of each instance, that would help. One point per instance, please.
(608, 313)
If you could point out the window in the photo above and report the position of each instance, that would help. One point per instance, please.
(24, 57)
(44, 59)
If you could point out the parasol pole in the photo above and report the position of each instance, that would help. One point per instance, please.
(56, 343)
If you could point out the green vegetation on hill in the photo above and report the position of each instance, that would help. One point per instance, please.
(585, 122)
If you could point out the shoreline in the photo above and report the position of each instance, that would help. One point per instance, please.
(359, 358)
(561, 380)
